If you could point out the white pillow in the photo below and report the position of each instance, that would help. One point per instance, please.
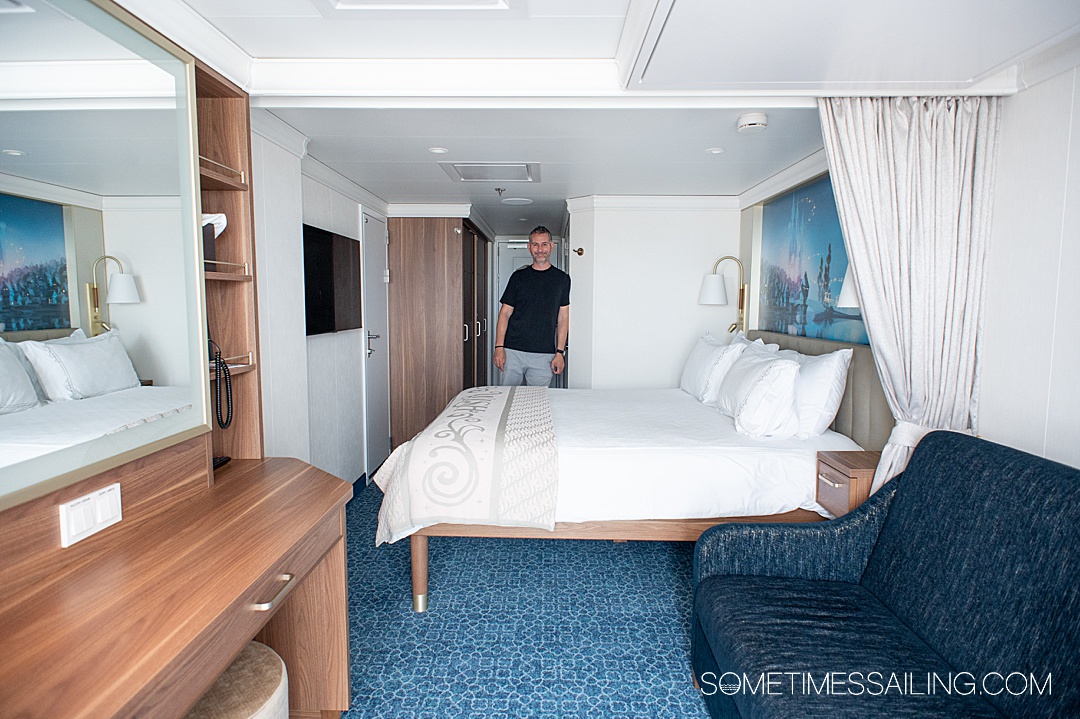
(759, 393)
(698, 373)
(82, 369)
(740, 339)
(720, 370)
(820, 388)
(75, 336)
(16, 391)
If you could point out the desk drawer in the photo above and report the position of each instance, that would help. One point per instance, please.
(277, 583)
(234, 627)
(834, 490)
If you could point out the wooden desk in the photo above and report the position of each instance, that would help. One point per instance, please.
(146, 621)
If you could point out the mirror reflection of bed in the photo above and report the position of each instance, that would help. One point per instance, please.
(80, 389)
(110, 156)
(659, 465)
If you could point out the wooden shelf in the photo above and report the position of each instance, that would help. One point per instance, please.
(234, 370)
(215, 180)
(227, 277)
(231, 313)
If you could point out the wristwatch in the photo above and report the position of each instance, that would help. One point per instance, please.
(561, 352)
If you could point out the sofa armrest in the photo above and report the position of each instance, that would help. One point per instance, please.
(836, 550)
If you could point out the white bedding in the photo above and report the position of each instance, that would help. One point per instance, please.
(661, 454)
(53, 426)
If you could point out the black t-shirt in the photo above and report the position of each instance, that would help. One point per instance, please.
(536, 296)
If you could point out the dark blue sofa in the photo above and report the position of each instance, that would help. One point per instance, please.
(952, 592)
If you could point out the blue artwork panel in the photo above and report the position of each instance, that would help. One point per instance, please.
(803, 261)
(33, 265)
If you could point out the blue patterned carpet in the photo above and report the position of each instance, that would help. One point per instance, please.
(519, 628)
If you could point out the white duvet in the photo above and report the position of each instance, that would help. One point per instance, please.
(54, 426)
(661, 454)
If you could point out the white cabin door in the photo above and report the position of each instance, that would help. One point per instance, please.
(377, 389)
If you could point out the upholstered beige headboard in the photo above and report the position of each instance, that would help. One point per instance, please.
(39, 335)
(864, 415)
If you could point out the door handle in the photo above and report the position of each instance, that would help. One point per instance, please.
(372, 337)
(466, 326)
(370, 349)
(477, 328)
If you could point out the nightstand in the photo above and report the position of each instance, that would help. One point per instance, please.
(844, 479)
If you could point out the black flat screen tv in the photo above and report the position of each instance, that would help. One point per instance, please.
(331, 282)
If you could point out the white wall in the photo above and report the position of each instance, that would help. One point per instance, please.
(145, 234)
(313, 387)
(634, 315)
(1030, 392)
(279, 254)
(335, 360)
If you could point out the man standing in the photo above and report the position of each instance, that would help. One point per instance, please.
(534, 319)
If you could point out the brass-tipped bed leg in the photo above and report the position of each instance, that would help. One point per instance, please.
(419, 554)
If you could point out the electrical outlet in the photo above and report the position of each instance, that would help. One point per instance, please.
(89, 514)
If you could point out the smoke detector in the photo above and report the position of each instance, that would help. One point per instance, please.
(753, 122)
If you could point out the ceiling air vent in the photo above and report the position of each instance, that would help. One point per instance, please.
(492, 171)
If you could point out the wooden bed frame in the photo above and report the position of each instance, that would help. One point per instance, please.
(863, 416)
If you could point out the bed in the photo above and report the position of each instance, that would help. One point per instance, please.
(680, 466)
(65, 389)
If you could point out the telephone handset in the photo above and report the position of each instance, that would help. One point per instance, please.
(221, 377)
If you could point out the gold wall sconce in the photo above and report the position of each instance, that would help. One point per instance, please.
(714, 292)
(120, 288)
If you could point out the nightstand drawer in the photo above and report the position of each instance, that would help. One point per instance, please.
(844, 479)
(834, 490)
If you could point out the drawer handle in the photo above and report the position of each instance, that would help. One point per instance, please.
(290, 579)
(826, 480)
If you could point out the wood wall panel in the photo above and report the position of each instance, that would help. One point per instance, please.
(150, 485)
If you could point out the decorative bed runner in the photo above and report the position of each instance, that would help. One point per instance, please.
(489, 458)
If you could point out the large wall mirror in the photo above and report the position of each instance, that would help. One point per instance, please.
(97, 160)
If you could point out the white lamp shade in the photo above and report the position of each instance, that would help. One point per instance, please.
(122, 290)
(849, 296)
(713, 291)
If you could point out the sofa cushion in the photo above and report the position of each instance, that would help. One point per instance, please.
(816, 629)
(978, 555)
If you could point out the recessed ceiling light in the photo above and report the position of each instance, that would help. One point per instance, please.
(13, 153)
(523, 219)
(438, 150)
(714, 150)
(516, 201)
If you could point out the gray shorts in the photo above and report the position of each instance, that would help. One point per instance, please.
(529, 368)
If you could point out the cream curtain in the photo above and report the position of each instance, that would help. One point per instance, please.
(913, 179)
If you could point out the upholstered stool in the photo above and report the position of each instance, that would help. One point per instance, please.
(255, 686)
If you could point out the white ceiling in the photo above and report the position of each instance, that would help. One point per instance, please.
(610, 97)
(580, 152)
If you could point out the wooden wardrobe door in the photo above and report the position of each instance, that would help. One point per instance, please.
(481, 282)
(425, 257)
(468, 307)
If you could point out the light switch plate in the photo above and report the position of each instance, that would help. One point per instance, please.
(89, 514)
